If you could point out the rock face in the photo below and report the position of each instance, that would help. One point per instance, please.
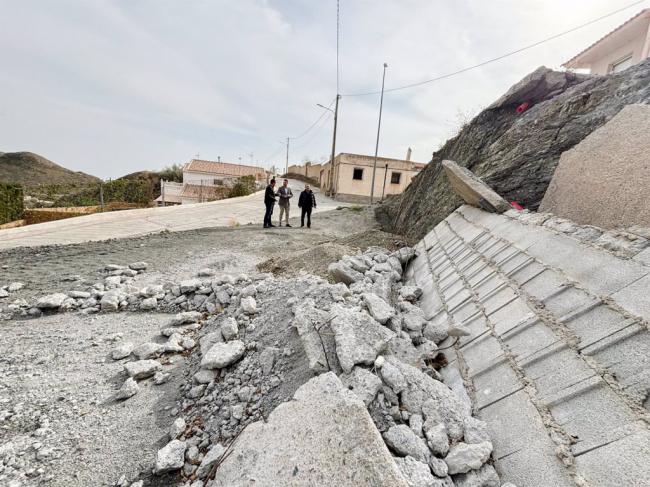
(516, 153)
(286, 451)
(605, 179)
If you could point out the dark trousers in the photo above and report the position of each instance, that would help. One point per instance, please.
(305, 211)
(268, 213)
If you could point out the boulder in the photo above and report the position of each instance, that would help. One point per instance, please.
(110, 301)
(378, 308)
(223, 354)
(315, 332)
(148, 303)
(170, 457)
(148, 350)
(359, 338)
(308, 440)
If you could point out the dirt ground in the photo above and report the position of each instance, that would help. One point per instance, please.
(55, 372)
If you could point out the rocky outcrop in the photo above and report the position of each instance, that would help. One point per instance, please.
(516, 153)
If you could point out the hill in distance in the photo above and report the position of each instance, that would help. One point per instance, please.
(30, 169)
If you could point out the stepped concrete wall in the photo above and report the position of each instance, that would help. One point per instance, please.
(558, 360)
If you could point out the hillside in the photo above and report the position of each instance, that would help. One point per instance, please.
(517, 153)
(30, 169)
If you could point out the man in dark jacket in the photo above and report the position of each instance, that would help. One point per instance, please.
(269, 201)
(306, 202)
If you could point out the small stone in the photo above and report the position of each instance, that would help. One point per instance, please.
(378, 308)
(476, 431)
(79, 294)
(464, 457)
(171, 457)
(122, 351)
(362, 383)
(403, 441)
(393, 377)
(229, 329)
(142, 369)
(173, 344)
(205, 376)
(160, 378)
(177, 428)
(138, 266)
(458, 331)
(51, 301)
(248, 305)
(437, 438)
(148, 350)
(206, 272)
(185, 317)
(379, 362)
(190, 285)
(267, 359)
(15, 286)
(438, 467)
(213, 455)
(486, 476)
(417, 473)
(129, 388)
(415, 423)
(223, 354)
(149, 303)
(410, 293)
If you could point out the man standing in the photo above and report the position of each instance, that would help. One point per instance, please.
(307, 201)
(269, 201)
(285, 195)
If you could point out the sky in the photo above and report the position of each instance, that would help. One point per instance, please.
(111, 87)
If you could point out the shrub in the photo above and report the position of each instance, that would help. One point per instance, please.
(244, 186)
(11, 202)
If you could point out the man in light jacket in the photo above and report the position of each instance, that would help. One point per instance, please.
(285, 195)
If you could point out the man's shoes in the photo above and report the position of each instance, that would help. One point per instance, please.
(266, 226)
(280, 224)
(288, 225)
(271, 225)
(301, 226)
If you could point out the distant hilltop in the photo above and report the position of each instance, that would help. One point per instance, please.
(30, 169)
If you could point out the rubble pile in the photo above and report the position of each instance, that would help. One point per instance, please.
(279, 368)
(369, 341)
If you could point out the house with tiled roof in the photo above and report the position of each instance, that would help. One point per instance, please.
(207, 181)
(623, 47)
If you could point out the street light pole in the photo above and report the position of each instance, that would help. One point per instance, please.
(381, 104)
(286, 166)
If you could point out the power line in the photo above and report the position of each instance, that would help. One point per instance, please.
(316, 132)
(498, 58)
(313, 124)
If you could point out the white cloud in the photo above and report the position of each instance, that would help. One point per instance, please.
(110, 86)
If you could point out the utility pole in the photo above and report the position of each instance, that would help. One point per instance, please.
(286, 167)
(383, 189)
(381, 104)
(336, 116)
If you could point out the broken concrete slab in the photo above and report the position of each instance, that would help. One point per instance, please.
(363, 383)
(312, 325)
(359, 338)
(325, 436)
(472, 189)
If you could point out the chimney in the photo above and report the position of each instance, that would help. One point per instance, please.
(408, 154)
(218, 158)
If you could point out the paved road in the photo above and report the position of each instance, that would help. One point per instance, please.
(130, 223)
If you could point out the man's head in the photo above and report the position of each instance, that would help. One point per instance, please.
(272, 182)
(307, 188)
(285, 183)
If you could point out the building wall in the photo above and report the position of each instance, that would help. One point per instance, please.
(347, 187)
(313, 171)
(602, 64)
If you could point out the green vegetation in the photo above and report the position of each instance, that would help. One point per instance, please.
(139, 191)
(173, 173)
(11, 202)
(243, 187)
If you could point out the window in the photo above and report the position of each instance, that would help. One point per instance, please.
(621, 64)
(395, 177)
(358, 174)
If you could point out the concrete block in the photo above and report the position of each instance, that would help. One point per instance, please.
(635, 297)
(463, 228)
(605, 179)
(472, 189)
(528, 338)
(623, 462)
(526, 272)
(498, 299)
(495, 382)
(567, 300)
(594, 323)
(556, 369)
(545, 284)
(481, 352)
(525, 454)
(465, 311)
(509, 316)
(488, 286)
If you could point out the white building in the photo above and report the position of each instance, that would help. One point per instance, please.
(625, 46)
(206, 181)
